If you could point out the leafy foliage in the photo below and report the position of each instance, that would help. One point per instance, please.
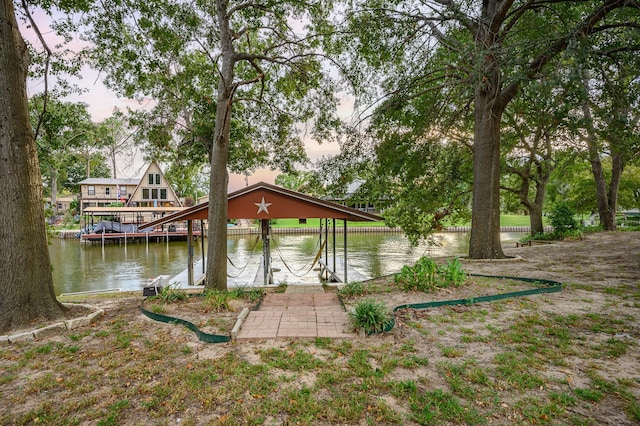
(452, 273)
(562, 218)
(426, 276)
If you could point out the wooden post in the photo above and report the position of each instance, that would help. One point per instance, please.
(190, 252)
(334, 246)
(326, 245)
(344, 232)
(266, 252)
(202, 244)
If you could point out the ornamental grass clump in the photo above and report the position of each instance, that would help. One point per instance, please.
(171, 294)
(352, 289)
(370, 315)
(217, 301)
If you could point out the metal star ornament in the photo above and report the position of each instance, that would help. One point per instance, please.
(262, 206)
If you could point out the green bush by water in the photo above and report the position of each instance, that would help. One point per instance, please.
(426, 276)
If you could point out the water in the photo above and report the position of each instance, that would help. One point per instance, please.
(82, 267)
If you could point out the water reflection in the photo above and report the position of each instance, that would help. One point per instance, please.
(81, 267)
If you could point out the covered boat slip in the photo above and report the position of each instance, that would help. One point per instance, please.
(118, 224)
(264, 202)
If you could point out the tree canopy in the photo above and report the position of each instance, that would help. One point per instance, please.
(438, 62)
(230, 82)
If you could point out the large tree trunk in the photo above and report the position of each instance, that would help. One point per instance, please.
(488, 109)
(617, 167)
(485, 215)
(606, 214)
(26, 283)
(535, 212)
(219, 178)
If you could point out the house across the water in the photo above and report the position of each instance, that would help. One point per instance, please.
(127, 201)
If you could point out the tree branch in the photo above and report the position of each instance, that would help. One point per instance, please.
(47, 62)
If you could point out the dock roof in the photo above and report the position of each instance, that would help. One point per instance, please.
(266, 201)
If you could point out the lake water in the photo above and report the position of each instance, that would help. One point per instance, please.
(83, 266)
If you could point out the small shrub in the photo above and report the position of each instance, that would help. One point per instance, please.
(563, 218)
(370, 315)
(352, 289)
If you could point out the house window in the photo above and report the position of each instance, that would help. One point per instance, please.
(91, 190)
(107, 191)
(123, 191)
(153, 179)
(154, 193)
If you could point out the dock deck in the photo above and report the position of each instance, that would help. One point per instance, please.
(119, 237)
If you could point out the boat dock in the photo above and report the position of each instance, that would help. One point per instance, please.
(136, 237)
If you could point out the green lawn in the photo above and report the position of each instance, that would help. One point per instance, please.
(505, 220)
(315, 223)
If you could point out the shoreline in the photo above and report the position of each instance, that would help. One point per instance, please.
(71, 233)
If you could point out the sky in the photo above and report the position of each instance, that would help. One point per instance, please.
(101, 102)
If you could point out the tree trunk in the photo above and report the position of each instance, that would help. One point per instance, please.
(54, 191)
(617, 167)
(607, 220)
(535, 219)
(26, 283)
(113, 164)
(607, 217)
(219, 178)
(485, 214)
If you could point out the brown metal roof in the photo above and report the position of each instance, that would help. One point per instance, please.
(266, 201)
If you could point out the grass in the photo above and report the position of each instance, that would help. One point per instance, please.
(315, 223)
(509, 362)
(505, 220)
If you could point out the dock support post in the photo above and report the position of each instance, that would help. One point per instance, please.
(326, 246)
(266, 252)
(344, 233)
(334, 245)
(190, 253)
(202, 244)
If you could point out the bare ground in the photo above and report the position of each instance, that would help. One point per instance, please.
(561, 358)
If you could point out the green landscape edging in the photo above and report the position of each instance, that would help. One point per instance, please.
(202, 336)
(205, 337)
(549, 286)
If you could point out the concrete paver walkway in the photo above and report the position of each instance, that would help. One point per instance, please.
(300, 312)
